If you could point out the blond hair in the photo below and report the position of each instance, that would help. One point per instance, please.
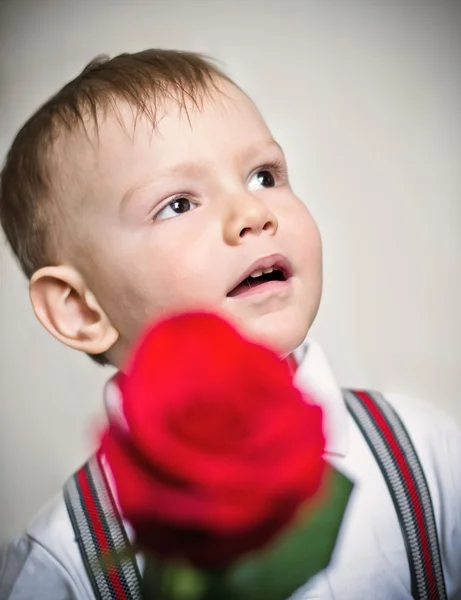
(28, 200)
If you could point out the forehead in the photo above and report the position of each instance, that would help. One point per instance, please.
(223, 117)
(127, 147)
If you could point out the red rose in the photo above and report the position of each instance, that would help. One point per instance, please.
(221, 449)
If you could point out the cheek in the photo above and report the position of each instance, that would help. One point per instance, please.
(147, 285)
(127, 299)
(304, 240)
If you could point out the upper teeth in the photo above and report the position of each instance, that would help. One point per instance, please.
(259, 273)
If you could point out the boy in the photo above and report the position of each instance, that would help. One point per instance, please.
(151, 184)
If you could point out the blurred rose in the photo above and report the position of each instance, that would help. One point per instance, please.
(221, 450)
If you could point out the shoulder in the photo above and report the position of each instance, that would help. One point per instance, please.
(29, 571)
(44, 562)
(436, 437)
(428, 426)
(52, 529)
(437, 441)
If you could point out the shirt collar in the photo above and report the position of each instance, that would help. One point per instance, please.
(315, 377)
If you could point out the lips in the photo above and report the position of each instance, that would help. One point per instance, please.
(267, 269)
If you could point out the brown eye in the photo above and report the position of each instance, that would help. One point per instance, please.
(180, 205)
(266, 179)
(176, 207)
(261, 179)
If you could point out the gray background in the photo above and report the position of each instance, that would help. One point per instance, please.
(364, 95)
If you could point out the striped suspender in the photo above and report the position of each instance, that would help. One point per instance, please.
(404, 476)
(99, 529)
(99, 532)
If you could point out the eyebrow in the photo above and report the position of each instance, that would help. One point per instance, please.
(254, 149)
(192, 167)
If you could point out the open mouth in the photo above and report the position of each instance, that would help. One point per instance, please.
(264, 271)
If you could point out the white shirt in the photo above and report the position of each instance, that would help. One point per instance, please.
(369, 560)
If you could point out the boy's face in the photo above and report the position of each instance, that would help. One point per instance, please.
(175, 218)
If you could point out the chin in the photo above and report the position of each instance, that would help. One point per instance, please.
(279, 332)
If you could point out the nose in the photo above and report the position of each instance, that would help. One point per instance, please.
(247, 216)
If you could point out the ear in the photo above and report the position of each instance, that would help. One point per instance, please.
(69, 310)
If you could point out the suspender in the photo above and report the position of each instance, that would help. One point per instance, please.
(99, 529)
(100, 533)
(404, 476)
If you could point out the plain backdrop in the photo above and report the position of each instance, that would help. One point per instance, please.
(365, 97)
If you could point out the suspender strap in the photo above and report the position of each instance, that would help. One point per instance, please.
(404, 476)
(104, 546)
